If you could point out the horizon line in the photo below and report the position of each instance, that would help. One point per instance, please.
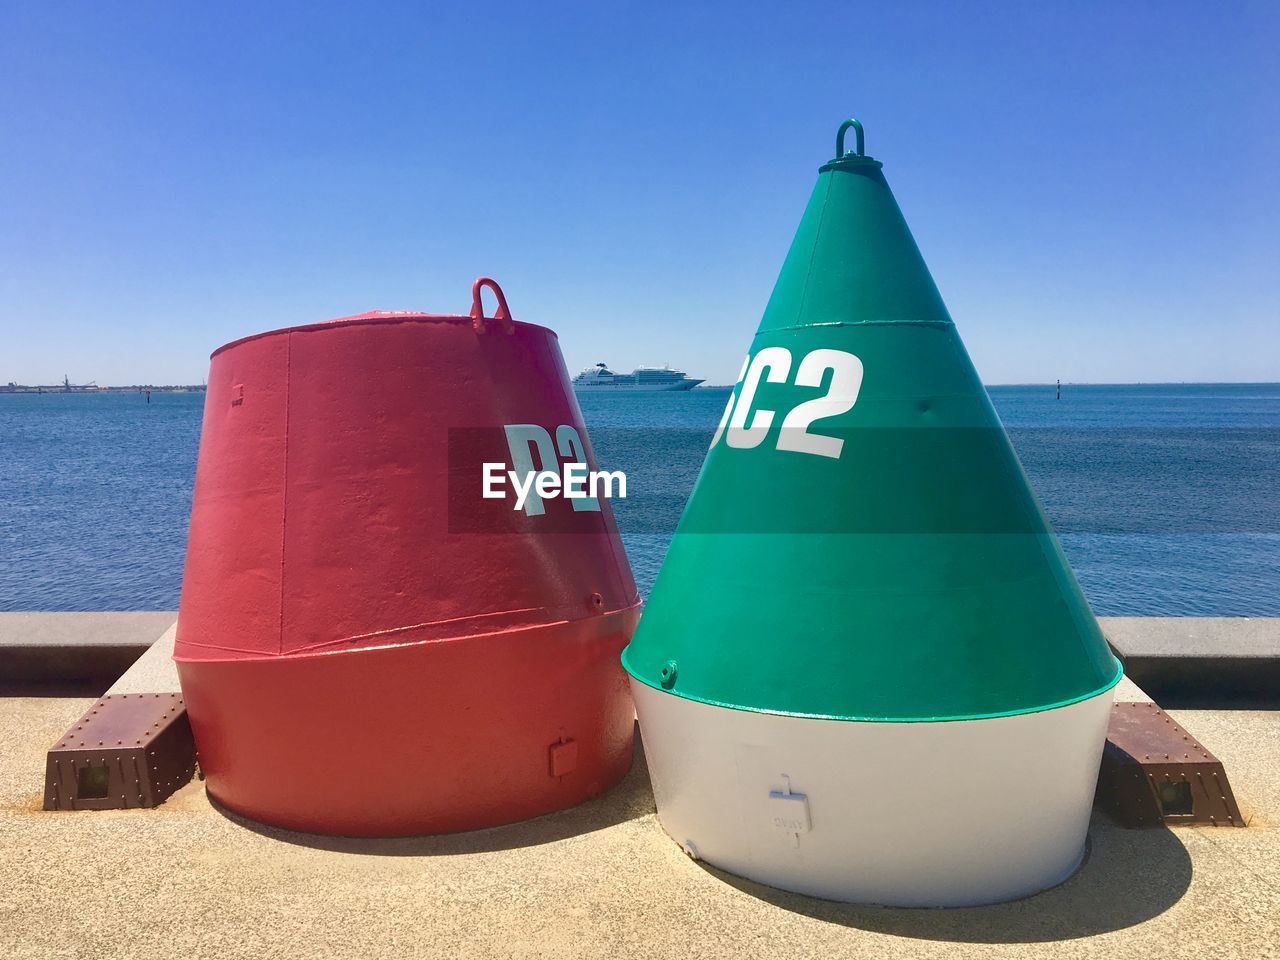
(15, 387)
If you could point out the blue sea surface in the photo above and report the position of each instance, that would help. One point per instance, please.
(1165, 496)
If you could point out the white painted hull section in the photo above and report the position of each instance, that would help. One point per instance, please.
(953, 813)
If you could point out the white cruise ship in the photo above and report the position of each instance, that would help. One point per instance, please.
(641, 379)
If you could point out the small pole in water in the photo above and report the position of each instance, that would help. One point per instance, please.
(148, 396)
(1059, 396)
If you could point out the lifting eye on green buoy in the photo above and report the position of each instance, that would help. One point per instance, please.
(855, 159)
(860, 140)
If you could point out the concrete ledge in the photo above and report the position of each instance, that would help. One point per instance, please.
(70, 647)
(1200, 661)
(1180, 661)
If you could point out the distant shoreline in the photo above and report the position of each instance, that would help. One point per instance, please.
(135, 388)
(1050, 385)
(89, 389)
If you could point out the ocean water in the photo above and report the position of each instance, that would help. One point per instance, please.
(1165, 496)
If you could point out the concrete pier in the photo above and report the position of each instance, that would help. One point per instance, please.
(598, 881)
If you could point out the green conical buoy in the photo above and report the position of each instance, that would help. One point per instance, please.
(862, 556)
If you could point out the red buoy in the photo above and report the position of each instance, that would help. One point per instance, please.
(367, 647)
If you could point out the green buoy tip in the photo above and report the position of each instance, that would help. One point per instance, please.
(855, 159)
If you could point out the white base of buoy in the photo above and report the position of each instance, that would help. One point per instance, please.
(954, 813)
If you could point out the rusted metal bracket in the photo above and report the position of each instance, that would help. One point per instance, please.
(129, 750)
(1154, 772)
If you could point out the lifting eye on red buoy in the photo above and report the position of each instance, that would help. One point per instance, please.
(502, 314)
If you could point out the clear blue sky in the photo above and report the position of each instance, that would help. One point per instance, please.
(1094, 185)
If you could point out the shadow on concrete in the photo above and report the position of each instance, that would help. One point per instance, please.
(1208, 682)
(631, 799)
(1128, 877)
(1181, 699)
(94, 687)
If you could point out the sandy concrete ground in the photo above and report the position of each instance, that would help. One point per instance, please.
(154, 671)
(599, 881)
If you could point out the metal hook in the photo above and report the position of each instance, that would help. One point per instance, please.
(860, 141)
(502, 314)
